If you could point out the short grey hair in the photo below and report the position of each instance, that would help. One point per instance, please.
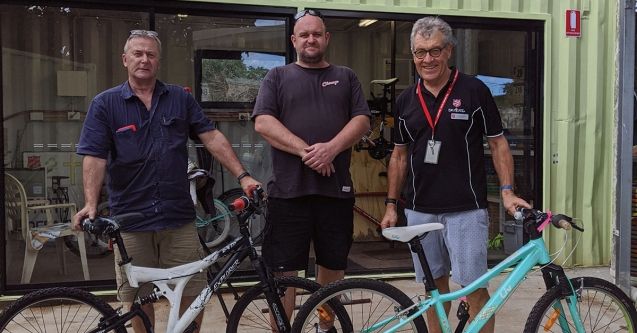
(427, 26)
(148, 34)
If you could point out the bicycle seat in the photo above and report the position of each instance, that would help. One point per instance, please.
(196, 173)
(405, 234)
(385, 82)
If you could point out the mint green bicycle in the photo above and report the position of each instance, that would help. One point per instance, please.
(582, 304)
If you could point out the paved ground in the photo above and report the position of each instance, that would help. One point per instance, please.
(511, 317)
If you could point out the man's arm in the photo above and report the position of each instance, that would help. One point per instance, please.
(93, 172)
(278, 136)
(396, 173)
(217, 144)
(281, 138)
(503, 163)
(323, 153)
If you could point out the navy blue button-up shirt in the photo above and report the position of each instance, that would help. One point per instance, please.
(146, 151)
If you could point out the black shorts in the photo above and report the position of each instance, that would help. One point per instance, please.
(293, 223)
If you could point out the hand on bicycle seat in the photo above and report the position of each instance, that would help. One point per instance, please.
(86, 212)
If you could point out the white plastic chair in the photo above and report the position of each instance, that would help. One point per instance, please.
(18, 209)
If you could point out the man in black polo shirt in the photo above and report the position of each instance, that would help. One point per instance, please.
(311, 112)
(440, 122)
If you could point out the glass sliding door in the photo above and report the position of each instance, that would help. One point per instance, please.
(54, 61)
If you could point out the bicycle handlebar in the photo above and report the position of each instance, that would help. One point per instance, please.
(243, 202)
(541, 219)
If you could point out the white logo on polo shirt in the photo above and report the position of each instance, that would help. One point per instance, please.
(329, 83)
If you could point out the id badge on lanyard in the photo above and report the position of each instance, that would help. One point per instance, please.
(433, 146)
(433, 150)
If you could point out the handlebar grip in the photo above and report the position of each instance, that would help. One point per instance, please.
(239, 204)
(564, 224)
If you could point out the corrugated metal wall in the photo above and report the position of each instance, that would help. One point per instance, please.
(579, 105)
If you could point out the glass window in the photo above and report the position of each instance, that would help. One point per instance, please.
(54, 61)
(224, 60)
(241, 40)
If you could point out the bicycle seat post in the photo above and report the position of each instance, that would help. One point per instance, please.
(417, 248)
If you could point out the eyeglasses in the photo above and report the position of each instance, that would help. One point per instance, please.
(305, 12)
(149, 33)
(434, 53)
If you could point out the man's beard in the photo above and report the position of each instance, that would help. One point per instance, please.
(311, 59)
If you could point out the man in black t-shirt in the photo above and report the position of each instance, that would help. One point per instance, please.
(440, 125)
(311, 113)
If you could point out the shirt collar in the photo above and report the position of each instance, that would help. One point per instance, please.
(127, 91)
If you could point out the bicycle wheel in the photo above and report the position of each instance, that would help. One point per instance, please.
(96, 246)
(56, 310)
(602, 306)
(214, 230)
(251, 313)
(367, 303)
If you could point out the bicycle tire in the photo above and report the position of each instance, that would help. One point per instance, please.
(366, 301)
(250, 313)
(96, 246)
(601, 304)
(214, 230)
(56, 310)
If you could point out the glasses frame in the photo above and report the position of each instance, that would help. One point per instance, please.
(436, 50)
(305, 12)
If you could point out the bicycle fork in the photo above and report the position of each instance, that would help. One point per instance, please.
(554, 276)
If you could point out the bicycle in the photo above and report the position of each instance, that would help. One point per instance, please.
(374, 141)
(76, 310)
(582, 304)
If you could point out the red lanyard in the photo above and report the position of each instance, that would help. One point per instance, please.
(432, 123)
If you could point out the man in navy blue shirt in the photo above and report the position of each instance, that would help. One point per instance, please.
(137, 132)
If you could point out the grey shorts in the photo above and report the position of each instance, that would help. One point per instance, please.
(460, 248)
(160, 249)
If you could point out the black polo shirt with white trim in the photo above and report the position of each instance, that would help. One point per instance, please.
(458, 181)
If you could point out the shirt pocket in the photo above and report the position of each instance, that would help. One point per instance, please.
(174, 132)
(128, 148)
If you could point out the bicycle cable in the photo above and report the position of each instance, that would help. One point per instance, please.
(556, 254)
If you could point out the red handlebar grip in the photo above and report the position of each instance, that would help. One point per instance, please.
(239, 204)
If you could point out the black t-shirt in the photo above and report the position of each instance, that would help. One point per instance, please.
(314, 104)
(458, 181)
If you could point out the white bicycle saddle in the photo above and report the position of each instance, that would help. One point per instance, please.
(405, 234)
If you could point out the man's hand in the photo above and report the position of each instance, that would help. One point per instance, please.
(391, 217)
(87, 211)
(248, 184)
(319, 157)
(511, 202)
